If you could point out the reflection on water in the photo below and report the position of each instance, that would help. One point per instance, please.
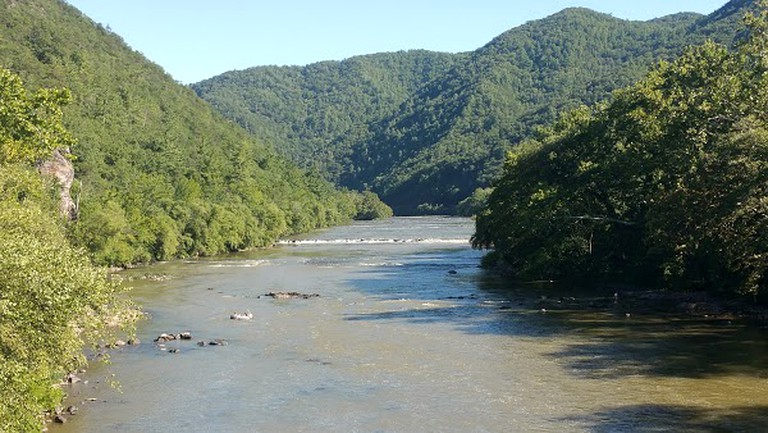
(412, 336)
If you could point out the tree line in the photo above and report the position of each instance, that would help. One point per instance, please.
(159, 173)
(665, 183)
(424, 130)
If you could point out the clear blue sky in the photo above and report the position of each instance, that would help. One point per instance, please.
(197, 39)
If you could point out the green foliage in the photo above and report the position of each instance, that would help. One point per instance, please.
(370, 207)
(424, 130)
(667, 181)
(317, 113)
(473, 204)
(52, 300)
(30, 125)
(162, 175)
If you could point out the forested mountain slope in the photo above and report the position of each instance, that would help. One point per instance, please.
(665, 183)
(425, 129)
(316, 113)
(161, 174)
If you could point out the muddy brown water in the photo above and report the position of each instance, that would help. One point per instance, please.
(409, 335)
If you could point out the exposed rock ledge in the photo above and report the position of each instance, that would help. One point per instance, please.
(61, 168)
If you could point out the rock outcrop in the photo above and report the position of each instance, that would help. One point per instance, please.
(61, 168)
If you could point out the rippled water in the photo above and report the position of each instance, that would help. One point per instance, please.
(408, 335)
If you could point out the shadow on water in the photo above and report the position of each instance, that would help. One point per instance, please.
(680, 419)
(663, 346)
(604, 337)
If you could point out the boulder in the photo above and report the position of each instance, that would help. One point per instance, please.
(72, 378)
(162, 338)
(241, 316)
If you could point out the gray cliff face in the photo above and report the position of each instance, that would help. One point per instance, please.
(61, 168)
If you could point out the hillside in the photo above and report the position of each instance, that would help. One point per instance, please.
(424, 130)
(160, 174)
(316, 113)
(665, 184)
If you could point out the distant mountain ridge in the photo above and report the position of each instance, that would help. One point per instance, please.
(424, 129)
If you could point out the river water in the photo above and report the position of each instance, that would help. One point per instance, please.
(409, 335)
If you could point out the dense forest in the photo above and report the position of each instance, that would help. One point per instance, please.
(424, 130)
(53, 301)
(160, 174)
(665, 183)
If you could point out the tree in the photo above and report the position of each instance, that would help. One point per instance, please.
(30, 125)
(53, 301)
(666, 182)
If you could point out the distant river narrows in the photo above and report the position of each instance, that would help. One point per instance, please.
(409, 335)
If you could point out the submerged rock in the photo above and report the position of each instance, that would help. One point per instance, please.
(459, 298)
(291, 295)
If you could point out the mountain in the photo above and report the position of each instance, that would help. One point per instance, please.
(316, 113)
(159, 173)
(425, 129)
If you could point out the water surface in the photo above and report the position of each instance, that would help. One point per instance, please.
(408, 335)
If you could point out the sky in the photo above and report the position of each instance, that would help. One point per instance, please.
(198, 39)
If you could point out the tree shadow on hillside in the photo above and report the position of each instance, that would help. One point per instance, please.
(654, 418)
(606, 337)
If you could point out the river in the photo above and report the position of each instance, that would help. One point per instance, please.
(409, 335)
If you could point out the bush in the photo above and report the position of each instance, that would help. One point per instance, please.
(52, 302)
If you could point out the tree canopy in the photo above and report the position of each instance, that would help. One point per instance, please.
(665, 182)
(160, 174)
(53, 302)
(424, 130)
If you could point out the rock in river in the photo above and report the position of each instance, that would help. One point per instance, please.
(242, 316)
(292, 295)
